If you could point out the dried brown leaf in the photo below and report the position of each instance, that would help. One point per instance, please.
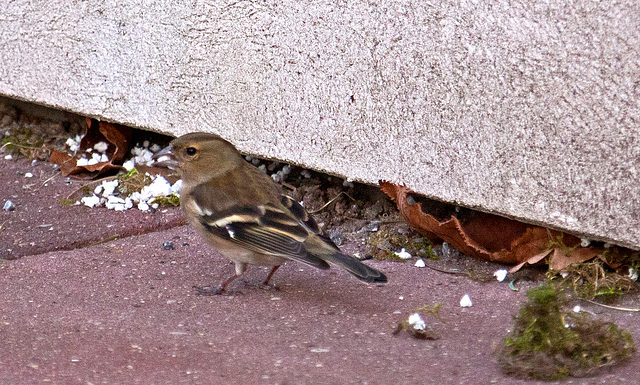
(117, 138)
(491, 237)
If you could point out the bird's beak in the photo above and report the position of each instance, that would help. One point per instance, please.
(165, 158)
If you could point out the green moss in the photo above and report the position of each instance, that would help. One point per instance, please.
(135, 181)
(171, 200)
(433, 310)
(132, 181)
(549, 344)
(22, 143)
(66, 202)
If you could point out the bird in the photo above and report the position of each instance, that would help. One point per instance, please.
(240, 211)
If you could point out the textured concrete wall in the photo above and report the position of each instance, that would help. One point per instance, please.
(525, 108)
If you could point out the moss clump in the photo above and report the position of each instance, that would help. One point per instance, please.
(549, 344)
(66, 202)
(133, 181)
(87, 191)
(385, 243)
(171, 200)
(25, 144)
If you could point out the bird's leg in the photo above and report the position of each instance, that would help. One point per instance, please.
(216, 290)
(265, 284)
(222, 289)
(266, 281)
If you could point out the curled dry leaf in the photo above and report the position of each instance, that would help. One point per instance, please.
(486, 236)
(117, 138)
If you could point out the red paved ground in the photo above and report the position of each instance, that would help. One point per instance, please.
(124, 312)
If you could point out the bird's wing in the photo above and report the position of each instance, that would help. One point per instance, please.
(266, 229)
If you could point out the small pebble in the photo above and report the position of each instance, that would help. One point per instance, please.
(28, 175)
(9, 205)
(420, 263)
(168, 245)
(8, 157)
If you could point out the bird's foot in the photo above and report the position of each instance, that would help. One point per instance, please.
(263, 286)
(215, 290)
(267, 287)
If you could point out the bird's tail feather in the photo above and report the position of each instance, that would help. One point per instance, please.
(355, 267)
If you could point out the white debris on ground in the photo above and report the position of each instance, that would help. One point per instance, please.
(281, 175)
(144, 155)
(416, 321)
(105, 194)
(91, 201)
(348, 183)
(420, 263)
(633, 273)
(95, 159)
(28, 175)
(278, 171)
(89, 158)
(403, 254)
(466, 301)
(74, 143)
(577, 309)
(500, 274)
(101, 147)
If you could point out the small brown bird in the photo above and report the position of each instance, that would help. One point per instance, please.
(242, 212)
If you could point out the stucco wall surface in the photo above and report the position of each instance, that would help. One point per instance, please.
(530, 109)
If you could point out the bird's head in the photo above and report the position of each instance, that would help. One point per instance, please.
(200, 156)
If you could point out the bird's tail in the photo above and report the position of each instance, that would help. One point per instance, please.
(355, 267)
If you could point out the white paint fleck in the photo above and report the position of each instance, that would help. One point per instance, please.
(416, 321)
(466, 301)
(403, 254)
(500, 274)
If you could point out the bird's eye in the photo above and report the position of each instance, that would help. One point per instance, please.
(191, 151)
